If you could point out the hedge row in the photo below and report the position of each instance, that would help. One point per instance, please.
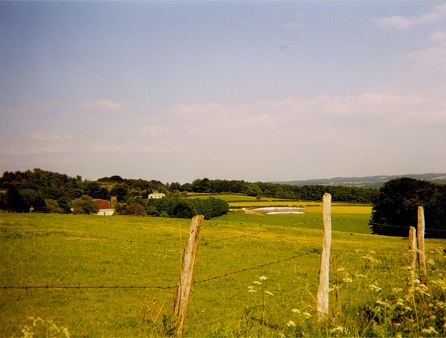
(187, 208)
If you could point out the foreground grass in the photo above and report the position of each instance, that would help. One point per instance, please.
(69, 250)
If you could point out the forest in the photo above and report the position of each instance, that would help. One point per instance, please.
(45, 191)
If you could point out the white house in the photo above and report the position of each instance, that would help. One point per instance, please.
(105, 212)
(156, 195)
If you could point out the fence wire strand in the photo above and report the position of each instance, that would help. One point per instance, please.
(257, 267)
(167, 287)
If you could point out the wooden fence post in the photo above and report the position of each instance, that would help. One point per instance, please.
(412, 262)
(420, 245)
(324, 275)
(187, 273)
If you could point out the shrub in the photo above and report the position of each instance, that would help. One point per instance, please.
(136, 209)
(84, 205)
(185, 208)
(52, 206)
(211, 207)
(121, 208)
(14, 200)
(395, 208)
(152, 211)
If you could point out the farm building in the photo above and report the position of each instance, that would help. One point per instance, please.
(105, 212)
(156, 195)
(102, 204)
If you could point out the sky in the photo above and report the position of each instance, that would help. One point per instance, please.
(259, 91)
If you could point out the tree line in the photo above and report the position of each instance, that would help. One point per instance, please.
(46, 191)
(395, 207)
(282, 191)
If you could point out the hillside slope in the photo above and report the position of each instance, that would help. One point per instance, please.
(367, 181)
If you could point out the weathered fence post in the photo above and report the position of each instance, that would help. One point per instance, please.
(324, 275)
(412, 262)
(420, 245)
(187, 273)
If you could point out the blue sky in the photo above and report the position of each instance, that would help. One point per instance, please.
(237, 90)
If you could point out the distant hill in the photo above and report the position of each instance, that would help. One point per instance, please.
(367, 181)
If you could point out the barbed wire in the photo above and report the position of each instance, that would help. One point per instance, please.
(65, 234)
(357, 251)
(239, 236)
(387, 253)
(251, 268)
(167, 287)
(257, 267)
(86, 287)
(277, 297)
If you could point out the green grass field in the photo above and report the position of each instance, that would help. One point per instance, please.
(234, 251)
(231, 197)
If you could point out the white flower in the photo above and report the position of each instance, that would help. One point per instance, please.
(371, 259)
(373, 287)
(400, 302)
(339, 330)
(347, 280)
(430, 330)
(307, 314)
(380, 302)
(257, 282)
(251, 290)
(295, 311)
(291, 324)
(263, 278)
(269, 293)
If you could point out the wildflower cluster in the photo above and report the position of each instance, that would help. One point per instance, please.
(371, 259)
(339, 331)
(258, 286)
(299, 324)
(37, 326)
(397, 315)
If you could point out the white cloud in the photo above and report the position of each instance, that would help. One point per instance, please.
(438, 13)
(434, 56)
(438, 37)
(292, 25)
(33, 107)
(103, 105)
(275, 135)
(37, 143)
(392, 107)
(39, 136)
(134, 148)
(296, 120)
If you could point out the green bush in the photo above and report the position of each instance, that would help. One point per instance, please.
(52, 206)
(186, 208)
(211, 207)
(152, 211)
(395, 208)
(136, 209)
(83, 205)
(121, 208)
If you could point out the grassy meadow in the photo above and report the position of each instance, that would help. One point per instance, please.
(230, 296)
